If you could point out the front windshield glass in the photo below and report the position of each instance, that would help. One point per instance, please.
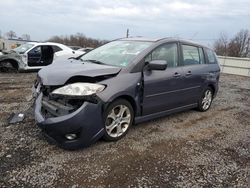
(23, 48)
(117, 53)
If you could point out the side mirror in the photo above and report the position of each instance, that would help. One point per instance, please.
(157, 65)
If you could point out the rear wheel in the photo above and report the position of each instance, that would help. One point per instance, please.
(118, 118)
(206, 100)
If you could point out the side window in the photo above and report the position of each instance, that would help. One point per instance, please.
(37, 50)
(56, 49)
(211, 56)
(167, 52)
(191, 55)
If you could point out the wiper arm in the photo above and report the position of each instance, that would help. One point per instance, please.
(95, 61)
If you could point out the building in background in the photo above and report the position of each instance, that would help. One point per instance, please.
(8, 44)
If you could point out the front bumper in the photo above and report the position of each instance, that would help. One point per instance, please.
(86, 122)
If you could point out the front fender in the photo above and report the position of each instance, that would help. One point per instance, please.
(126, 84)
(13, 57)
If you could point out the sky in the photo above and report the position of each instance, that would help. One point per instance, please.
(198, 20)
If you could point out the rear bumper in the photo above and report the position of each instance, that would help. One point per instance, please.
(86, 122)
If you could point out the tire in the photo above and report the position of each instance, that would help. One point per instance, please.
(8, 66)
(118, 118)
(206, 100)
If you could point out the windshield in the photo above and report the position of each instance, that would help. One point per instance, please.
(23, 48)
(117, 53)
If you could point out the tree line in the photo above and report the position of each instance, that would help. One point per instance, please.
(237, 46)
(78, 39)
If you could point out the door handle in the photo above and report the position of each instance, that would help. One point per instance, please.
(177, 74)
(188, 73)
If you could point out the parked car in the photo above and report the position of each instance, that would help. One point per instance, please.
(120, 83)
(88, 49)
(75, 47)
(32, 55)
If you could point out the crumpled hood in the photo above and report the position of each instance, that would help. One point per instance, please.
(10, 55)
(59, 73)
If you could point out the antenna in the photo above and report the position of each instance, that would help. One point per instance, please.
(127, 34)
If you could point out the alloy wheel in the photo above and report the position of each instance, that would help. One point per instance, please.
(118, 121)
(207, 100)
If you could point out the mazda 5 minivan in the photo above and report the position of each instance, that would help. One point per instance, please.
(124, 82)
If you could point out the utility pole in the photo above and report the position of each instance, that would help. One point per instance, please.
(127, 34)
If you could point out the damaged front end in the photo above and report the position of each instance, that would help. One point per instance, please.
(60, 105)
(67, 106)
(69, 120)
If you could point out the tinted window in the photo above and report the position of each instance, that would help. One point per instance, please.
(191, 55)
(37, 50)
(56, 49)
(211, 56)
(167, 52)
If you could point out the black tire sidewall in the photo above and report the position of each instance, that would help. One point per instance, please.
(106, 112)
(14, 69)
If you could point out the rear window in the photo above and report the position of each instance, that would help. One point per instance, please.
(211, 56)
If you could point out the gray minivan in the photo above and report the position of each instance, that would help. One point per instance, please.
(126, 81)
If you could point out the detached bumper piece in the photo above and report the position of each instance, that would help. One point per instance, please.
(69, 123)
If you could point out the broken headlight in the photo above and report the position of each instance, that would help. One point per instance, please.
(79, 89)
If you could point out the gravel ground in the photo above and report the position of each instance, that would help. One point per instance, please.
(189, 149)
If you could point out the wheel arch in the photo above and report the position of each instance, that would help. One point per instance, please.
(128, 98)
(212, 87)
(13, 62)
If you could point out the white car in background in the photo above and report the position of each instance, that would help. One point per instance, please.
(33, 56)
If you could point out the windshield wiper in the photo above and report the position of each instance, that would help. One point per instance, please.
(95, 61)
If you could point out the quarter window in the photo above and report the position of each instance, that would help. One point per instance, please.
(167, 52)
(56, 49)
(191, 55)
(211, 56)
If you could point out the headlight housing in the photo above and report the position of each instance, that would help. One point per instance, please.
(79, 89)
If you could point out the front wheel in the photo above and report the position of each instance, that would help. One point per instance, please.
(206, 100)
(118, 118)
(6, 66)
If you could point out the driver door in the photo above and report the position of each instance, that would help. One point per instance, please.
(163, 88)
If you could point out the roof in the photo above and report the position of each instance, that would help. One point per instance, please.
(141, 39)
(165, 39)
(51, 43)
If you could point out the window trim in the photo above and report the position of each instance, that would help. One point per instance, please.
(204, 56)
